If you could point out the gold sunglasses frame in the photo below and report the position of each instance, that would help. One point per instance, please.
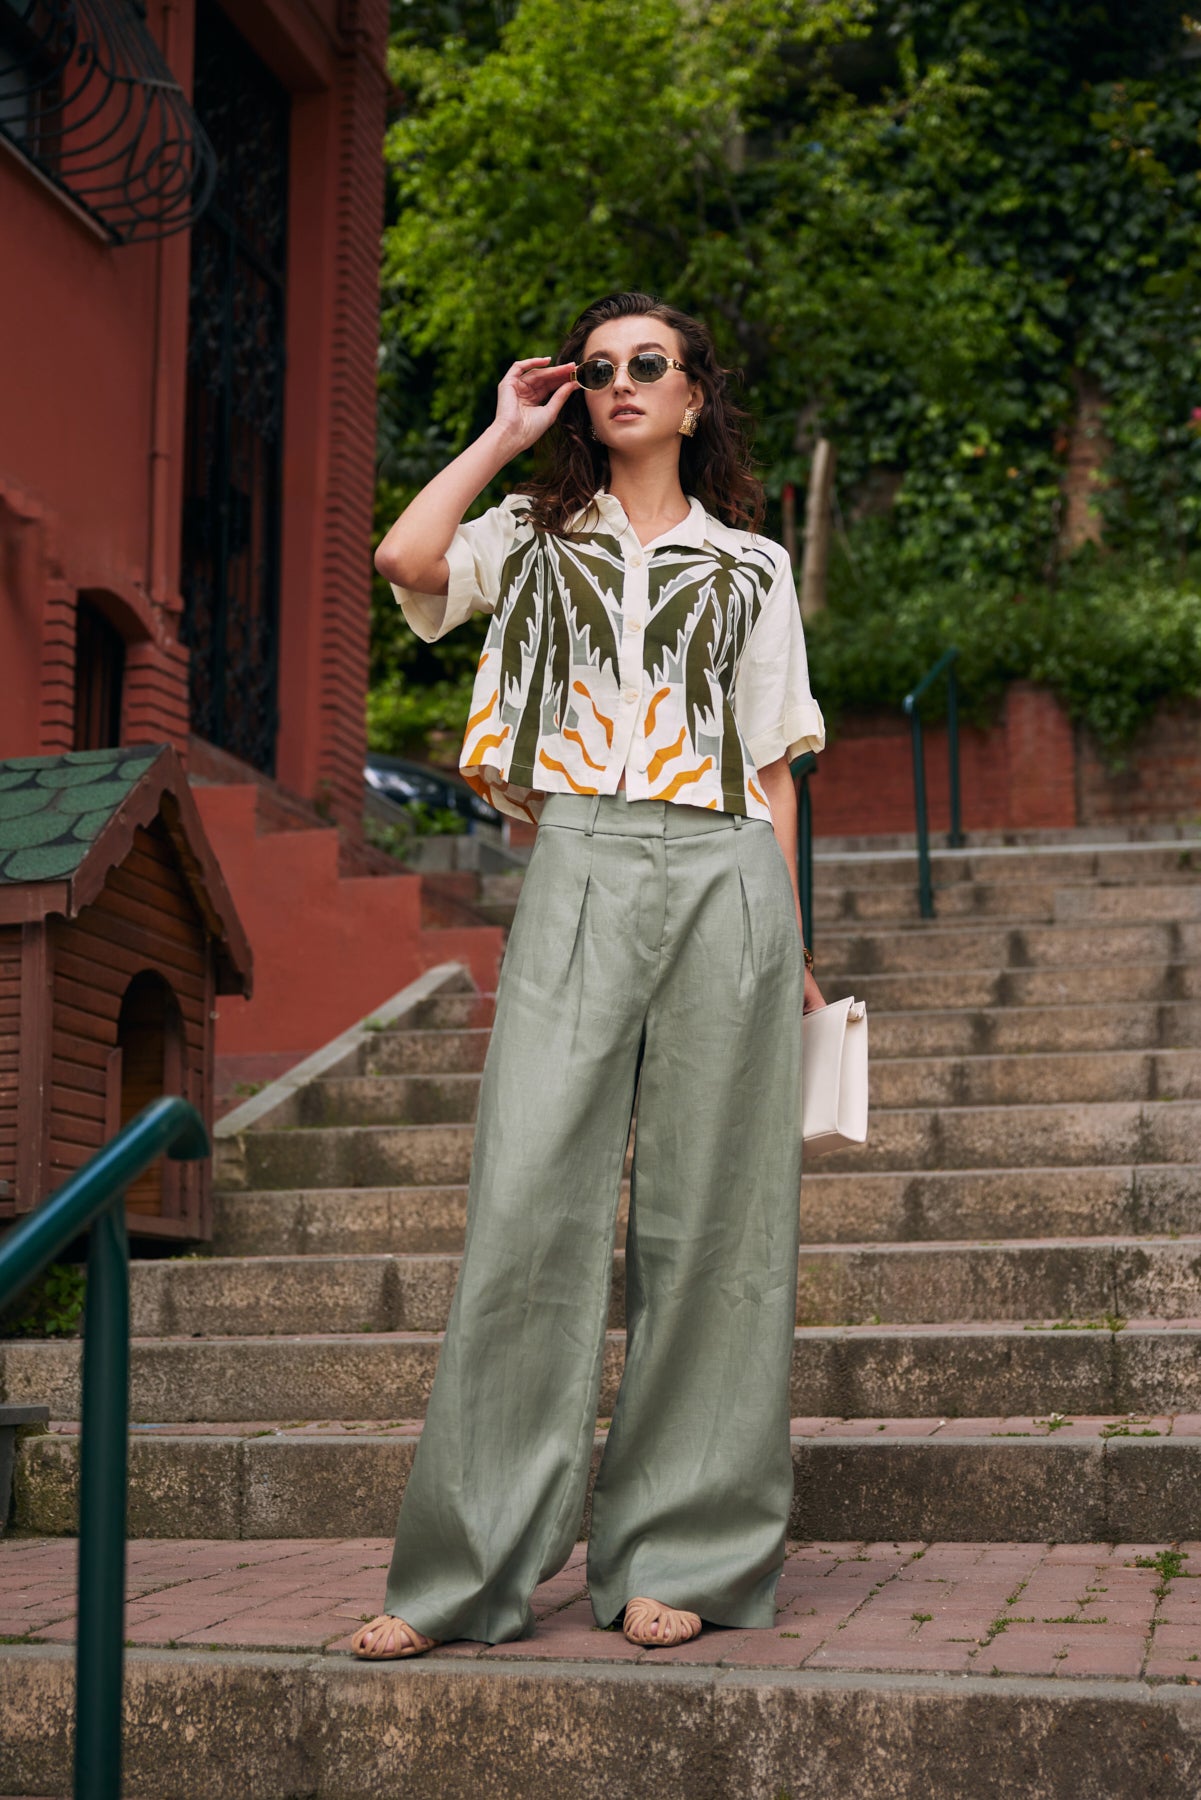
(618, 367)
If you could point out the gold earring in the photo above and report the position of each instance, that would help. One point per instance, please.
(688, 423)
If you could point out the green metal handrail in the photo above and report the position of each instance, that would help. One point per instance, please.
(94, 1197)
(801, 768)
(945, 664)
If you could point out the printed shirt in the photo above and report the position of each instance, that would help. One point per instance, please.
(680, 662)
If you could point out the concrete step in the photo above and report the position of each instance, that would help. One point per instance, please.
(346, 1156)
(450, 1012)
(1160, 981)
(1016, 1136)
(949, 1137)
(1024, 1079)
(1047, 901)
(996, 1030)
(1059, 860)
(1020, 1477)
(945, 989)
(1014, 1030)
(838, 1283)
(907, 1080)
(904, 949)
(943, 1204)
(894, 1668)
(912, 1139)
(853, 1371)
(892, 1206)
(338, 1221)
(430, 1052)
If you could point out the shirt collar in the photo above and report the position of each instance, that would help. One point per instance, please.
(699, 528)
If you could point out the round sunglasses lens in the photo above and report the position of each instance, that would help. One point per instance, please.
(595, 375)
(649, 366)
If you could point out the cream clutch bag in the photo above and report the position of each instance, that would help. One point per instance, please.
(834, 1075)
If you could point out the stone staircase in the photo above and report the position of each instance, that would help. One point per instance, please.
(999, 1300)
(1017, 1246)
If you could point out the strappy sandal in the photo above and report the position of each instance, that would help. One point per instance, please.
(641, 1613)
(358, 1642)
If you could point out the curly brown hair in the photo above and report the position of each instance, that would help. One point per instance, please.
(715, 464)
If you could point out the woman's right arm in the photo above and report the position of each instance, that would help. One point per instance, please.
(529, 399)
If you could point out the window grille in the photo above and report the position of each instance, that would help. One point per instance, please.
(87, 98)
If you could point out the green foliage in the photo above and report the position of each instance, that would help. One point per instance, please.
(1112, 638)
(912, 223)
(52, 1306)
(399, 840)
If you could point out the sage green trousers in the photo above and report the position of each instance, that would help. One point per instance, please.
(655, 947)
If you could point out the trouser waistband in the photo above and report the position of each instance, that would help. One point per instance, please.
(613, 814)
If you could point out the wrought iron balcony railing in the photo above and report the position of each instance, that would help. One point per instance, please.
(88, 100)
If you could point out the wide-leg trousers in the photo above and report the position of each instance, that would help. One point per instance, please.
(655, 947)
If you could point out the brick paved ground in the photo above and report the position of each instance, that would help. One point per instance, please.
(1076, 1425)
(1119, 1611)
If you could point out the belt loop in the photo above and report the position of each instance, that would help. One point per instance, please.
(593, 809)
(738, 821)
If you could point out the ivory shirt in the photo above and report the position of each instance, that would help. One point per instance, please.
(680, 662)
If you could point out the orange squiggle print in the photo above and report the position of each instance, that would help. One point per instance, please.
(653, 708)
(754, 790)
(606, 724)
(477, 718)
(683, 778)
(577, 739)
(561, 769)
(487, 743)
(655, 766)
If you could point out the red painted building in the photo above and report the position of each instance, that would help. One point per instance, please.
(191, 196)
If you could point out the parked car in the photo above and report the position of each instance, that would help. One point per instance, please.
(404, 783)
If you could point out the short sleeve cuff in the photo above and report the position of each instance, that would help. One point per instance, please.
(801, 729)
(431, 616)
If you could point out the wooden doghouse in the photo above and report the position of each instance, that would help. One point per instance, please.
(117, 933)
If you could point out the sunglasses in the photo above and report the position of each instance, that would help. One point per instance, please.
(648, 365)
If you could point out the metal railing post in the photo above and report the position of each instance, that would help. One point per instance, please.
(955, 836)
(945, 663)
(103, 1461)
(925, 889)
(801, 769)
(93, 1199)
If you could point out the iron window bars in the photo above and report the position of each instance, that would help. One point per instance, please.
(87, 97)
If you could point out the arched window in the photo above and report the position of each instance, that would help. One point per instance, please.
(151, 1043)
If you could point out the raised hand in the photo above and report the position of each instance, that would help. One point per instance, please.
(530, 399)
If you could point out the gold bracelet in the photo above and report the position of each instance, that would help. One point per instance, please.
(808, 957)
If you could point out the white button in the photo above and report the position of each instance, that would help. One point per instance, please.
(633, 624)
(636, 560)
(629, 695)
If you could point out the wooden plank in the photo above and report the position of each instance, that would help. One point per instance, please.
(112, 967)
(163, 899)
(75, 1076)
(107, 928)
(151, 919)
(69, 1047)
(85, 997)
(36, 971)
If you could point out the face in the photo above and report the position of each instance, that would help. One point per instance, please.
(637, 414)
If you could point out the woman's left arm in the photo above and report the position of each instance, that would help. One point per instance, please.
(776, 781)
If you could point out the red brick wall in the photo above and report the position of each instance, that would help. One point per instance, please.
(1019, 772)
(1161, 779)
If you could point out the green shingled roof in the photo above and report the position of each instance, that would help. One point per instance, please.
(53, 807)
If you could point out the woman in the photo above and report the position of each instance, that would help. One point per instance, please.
(641, 691)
